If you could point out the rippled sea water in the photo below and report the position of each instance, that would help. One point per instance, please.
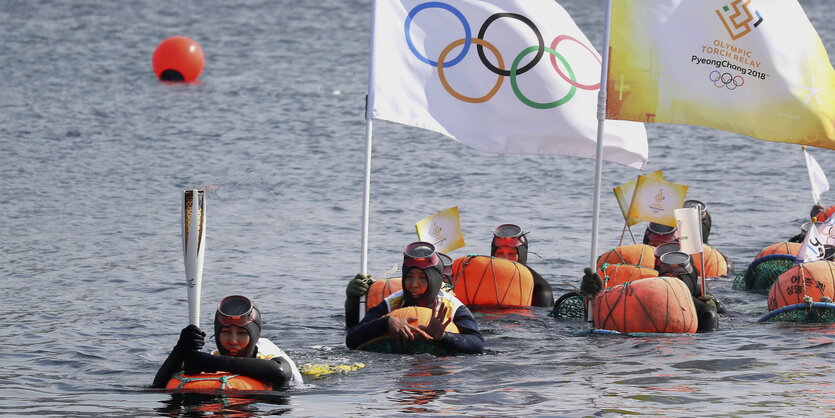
(95, 153)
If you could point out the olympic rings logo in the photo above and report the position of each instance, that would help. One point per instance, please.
(500, 70)
(725, 80)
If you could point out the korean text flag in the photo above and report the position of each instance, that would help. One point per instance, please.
(442, 229)
(624, 192)
(655, 200)
(754, 67)
(515, 76)
(812, 248)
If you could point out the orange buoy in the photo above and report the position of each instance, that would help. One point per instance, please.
(615, 274)
(214, 381)
(815, 279)
(637, 254)
(792, 248)
(655, 304)
(178, 59)
(381, 289)
(418, 315)
(715, 263)
(490, 281)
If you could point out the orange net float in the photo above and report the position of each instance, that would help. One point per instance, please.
(655, 304)
(715, 263)
(615, 274)
(415, 316)
(178, 59)
(791, 248)
(380, 290)
(214, 381)
(638, 254)
(815, 279)
(491, 282)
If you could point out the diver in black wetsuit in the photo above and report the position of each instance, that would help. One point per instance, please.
(240, 349)
(422, 279)
(510, 243)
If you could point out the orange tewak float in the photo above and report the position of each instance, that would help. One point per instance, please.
(715, 263)
(182, 382)
(491, 282)
(380, 290)
(791, 248)
(615, 274)
(178, 59)
(415, 316)
(637, 254)
(815, 279)
(655, 304)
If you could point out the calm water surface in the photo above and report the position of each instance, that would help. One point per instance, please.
(95, 153)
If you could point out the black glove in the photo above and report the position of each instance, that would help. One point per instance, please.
(359, 285)
(710, 302)
(199, 361)
(591, 283)
(815, 211)
(191, 338)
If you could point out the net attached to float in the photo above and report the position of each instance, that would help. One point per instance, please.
(817, 312)
(763, 272)
(569, 306)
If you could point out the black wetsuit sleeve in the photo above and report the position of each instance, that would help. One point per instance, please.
(469, 339)
(543, 295)
(274, 371)
(352, 311)
(373, 324)
(171, 365)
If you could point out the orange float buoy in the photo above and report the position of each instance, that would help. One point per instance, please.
(615, 274)
(637, 254)
(418, 315)
(178, 59)
(655, 304)
(490, 281)
(715, 263)
(792, 248)
(815, 279)
(381, 289)
(214, 381)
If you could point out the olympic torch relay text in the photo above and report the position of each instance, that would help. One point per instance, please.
(507, 76)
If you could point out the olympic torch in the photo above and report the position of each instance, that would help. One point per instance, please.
(194, 246)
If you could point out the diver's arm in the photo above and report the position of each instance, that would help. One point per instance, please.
(373, 325)
(543, 295)
(171, 365)
(275, 371)
(357, 288)
(191, 339)
(468, 340)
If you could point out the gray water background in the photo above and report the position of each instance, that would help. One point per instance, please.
(95, 153)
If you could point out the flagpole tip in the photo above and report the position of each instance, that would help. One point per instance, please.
(804, 148)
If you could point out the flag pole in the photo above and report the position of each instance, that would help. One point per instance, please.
(366, 203)
(601, 122)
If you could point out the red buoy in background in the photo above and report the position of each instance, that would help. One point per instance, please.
(178, 59)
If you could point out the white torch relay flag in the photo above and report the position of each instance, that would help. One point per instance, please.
(816, 177)
(516, 76)
(689, 230)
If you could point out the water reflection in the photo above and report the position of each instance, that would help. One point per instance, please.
(426, 382)
(204, 404)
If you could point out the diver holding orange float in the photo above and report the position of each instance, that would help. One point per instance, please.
(447, 323)
(510, 243)
(241, 351)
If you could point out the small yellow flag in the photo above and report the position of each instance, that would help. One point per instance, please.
(442, 229)
(624, 192)
(655, 200)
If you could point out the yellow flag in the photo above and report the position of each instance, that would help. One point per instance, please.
(655, 200)
(624, 192)
(442, 229)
